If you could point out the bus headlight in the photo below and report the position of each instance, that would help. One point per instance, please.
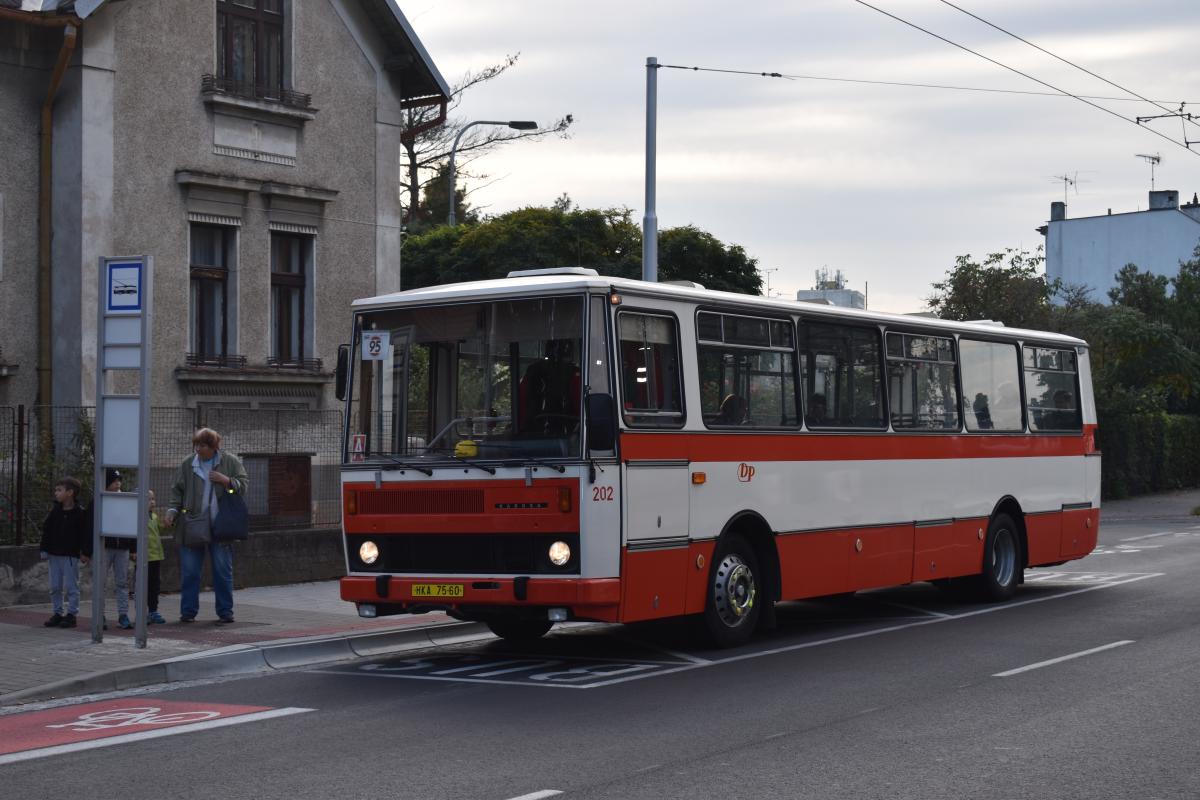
(560, 553)
(368, 551)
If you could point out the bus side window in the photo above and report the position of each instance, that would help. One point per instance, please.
(1052, 389)
(652, 395)
(842, 373)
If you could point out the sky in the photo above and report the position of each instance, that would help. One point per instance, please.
(887, 184)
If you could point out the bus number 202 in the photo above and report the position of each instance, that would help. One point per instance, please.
(602, 494)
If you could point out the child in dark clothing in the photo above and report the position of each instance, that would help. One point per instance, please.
(66, 540)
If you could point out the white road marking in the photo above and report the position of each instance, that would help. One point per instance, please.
(26, 755)
(1060, 659)
(521, 668)
(1148, 536)
(537, 795)
(475, 666)
(668, 652)
(879, 631)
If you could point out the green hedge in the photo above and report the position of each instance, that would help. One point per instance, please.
(1146, 453)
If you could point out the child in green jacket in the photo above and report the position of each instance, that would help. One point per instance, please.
(155, 557)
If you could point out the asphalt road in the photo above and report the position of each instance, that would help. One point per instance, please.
(889, 694)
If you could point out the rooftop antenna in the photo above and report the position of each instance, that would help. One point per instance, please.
(1068, 181)
(768, 272)
(1153, 161)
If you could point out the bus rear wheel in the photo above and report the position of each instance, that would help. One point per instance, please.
(1002, 566)
(519, 630)
(734, 597)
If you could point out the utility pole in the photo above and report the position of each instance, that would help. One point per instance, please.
(649, 219)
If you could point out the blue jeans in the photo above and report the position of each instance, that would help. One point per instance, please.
(116, 558)
(64, 580)
(191, 564)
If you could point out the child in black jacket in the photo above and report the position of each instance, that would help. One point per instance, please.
(66, 540)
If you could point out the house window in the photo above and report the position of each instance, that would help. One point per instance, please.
(250, 47)
(291, 265)
(212, 258)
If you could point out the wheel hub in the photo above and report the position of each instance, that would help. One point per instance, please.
(734, 591)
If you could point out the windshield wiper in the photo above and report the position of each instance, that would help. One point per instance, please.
(488, 470)
(404, 464)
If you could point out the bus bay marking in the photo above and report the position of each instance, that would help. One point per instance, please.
(561, 672)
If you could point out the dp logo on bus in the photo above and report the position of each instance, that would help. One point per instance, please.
(745, 472)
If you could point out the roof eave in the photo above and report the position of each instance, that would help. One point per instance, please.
(430, 68)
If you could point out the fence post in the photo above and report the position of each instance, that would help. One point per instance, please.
(20, 504)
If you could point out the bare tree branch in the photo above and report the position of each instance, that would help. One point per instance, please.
(425, 157)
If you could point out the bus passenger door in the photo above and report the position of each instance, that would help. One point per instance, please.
(654, 562)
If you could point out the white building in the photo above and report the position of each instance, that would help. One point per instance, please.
(1091, 250)
(830, 290)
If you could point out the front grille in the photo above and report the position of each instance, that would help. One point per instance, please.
(465, 553)
(421, 501)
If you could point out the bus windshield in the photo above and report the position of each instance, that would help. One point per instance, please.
(479, 381)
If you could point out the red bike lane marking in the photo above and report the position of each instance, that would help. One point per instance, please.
(36, 730)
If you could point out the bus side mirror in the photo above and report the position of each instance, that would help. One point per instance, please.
(343, 370)
(601, 422)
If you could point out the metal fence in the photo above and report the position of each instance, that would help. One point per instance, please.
(292, 458)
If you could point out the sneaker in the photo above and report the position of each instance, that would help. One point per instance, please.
(155, 618)
(225, 620)
(123, 622)
(186, 620)
(54, 621)
(68, 621)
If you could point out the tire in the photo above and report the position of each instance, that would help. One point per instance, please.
(734, 595)
(1002, 561)
(519, 630)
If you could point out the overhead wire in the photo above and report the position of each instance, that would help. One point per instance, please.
(1068, 62)
(1023, 74)
(903, 84)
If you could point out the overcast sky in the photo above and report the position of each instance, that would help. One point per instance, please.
(887, 184)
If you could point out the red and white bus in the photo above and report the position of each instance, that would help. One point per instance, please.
(560, 445)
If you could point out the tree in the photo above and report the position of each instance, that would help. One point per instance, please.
(1006, 287)
(1144, 291)
(607, 240)
(424, 154)
(688, 253)
(436, 208)
(1185, 301)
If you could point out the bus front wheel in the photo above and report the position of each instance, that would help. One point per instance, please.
(519, 630)
(734, 597)
(1001, 560)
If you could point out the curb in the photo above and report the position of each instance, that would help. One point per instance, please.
(250, 659)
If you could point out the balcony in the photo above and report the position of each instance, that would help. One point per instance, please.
(217, 361)
(211, 84)
(309, 364)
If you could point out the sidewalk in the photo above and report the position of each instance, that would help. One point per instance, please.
(276, 626)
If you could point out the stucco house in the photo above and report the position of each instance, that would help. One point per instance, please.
(250, 146)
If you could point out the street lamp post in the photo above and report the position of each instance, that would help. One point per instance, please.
(516, 124)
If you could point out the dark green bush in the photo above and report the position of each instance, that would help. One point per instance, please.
(1146, 453)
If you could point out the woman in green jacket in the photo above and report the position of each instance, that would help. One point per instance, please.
(199, 479)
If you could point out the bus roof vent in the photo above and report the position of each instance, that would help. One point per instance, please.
(537, 273)
(688, 284)
(995, 323)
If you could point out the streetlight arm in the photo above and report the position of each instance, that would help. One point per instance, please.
(520, 125)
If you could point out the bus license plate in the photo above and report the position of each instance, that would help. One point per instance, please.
(437, 590)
